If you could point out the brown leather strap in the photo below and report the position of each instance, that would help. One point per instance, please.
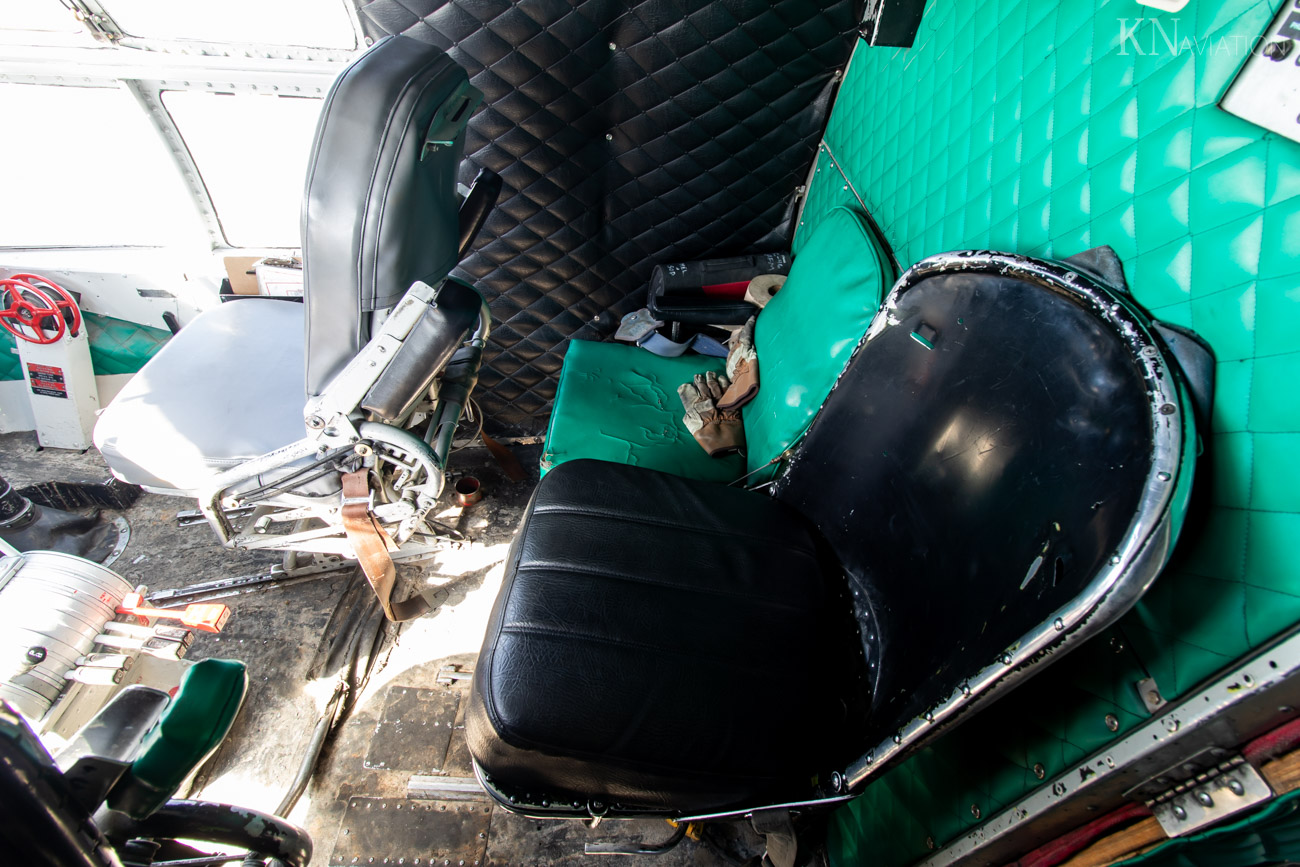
(371, 545)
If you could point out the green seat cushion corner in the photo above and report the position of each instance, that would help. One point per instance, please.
(619, 403)
(194, 725)
(806, 333)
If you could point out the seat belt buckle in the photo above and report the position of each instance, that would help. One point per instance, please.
(637, 327)
(368, 500)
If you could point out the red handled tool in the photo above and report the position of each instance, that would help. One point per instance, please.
(203, 616)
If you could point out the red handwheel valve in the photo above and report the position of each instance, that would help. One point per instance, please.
(21, 313)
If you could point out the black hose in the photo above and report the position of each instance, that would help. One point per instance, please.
(268, 836)
(350, 681)
(314, 747)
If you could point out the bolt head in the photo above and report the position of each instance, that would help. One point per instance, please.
(1039, 770)
(1112, 722)
(1278, 50)
(1204, 799)
(1179, 813)
(1236, 788)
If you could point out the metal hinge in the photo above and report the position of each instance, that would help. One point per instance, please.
(1209, 797)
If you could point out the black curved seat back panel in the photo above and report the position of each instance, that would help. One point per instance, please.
(376, 217)
(973, 486)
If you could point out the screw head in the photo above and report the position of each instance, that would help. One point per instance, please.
(929, 842)
(315, 422)
(975, 810)
(1179, 813)
(1112, 722)
(1039, 770)
(1204, 799)
(1278, 50)
(1236, 788)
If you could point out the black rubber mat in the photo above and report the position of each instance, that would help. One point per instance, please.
(627, 134)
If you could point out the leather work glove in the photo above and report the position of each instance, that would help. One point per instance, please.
(742, 369)
(719, 432)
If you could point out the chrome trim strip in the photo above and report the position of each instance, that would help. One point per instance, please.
(1147, 543)
(1250, 698)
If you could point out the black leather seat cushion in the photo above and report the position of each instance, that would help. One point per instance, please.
(664, 643)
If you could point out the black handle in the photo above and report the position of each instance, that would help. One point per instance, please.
(480, 201)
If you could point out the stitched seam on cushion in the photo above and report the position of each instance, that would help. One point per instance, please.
(569, 634)
(383, 203)
(651, 522)
(540, 566)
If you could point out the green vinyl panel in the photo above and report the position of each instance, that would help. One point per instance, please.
(116, 346)
(1033, 127)
(619, 403)
(806, 333)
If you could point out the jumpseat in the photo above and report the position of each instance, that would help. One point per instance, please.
(619, 403)
(998, 473)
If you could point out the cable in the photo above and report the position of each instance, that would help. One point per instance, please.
(475, 413)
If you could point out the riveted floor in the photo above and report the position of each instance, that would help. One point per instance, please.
(405, 723)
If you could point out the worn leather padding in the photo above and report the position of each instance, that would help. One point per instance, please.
(664, 643)
(376, 217)
(226, 388)
(685, 140)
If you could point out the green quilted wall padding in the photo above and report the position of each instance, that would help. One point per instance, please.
(1032, 127)
(116, 346)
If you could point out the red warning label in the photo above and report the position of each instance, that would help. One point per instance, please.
(47, 380)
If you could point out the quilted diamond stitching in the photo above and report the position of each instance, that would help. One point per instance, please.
(712, 117)
(1021, 126)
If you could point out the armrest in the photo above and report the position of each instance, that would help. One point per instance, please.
(195, 723)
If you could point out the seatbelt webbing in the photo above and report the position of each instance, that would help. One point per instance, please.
(372, 546)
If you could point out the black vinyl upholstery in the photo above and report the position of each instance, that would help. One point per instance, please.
(686, 645)
(662, 643)
(973, 488)
(686, 139)
(376, 217)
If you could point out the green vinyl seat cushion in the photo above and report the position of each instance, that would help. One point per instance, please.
(619, 403)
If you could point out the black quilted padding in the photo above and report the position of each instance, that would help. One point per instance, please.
(627, 134)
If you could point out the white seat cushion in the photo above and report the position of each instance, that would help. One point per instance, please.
(227, 388)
